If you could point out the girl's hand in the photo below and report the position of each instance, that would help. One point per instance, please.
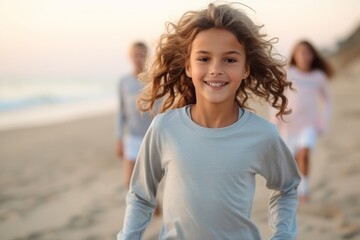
(120, 149)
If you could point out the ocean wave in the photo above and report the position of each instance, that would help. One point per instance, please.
(15, 95)
(35, 101)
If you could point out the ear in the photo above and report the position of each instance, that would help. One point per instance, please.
(246, 72)
(188, 70)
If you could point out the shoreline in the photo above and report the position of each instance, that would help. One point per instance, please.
(57, 113)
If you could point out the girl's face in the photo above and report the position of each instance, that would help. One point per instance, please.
(138, 57)
(303, 57)
(217, 65)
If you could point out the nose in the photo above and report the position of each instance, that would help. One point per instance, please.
(216, 69)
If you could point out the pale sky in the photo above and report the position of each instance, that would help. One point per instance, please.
(89, 38)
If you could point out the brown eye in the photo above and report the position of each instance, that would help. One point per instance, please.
(203, 59)
(230, 60)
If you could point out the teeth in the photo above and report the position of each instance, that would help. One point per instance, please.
(212, 84)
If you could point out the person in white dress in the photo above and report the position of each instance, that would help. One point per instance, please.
(310, 102)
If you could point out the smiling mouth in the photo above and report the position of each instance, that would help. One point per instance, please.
(216, 84)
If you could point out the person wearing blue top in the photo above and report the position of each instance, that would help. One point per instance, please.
(206, 146)
(131, 124)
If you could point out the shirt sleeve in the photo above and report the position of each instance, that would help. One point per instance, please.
(282, 176)
(141, 198)
(121, 116)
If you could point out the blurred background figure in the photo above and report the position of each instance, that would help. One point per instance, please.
(131, 124)
(310, 102)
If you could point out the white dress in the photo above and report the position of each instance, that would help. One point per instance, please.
(311, 109)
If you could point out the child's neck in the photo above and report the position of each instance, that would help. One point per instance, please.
(304, 69)
(214, 115)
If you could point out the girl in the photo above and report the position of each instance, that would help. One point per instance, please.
(205, 145)
(131, 123)
(308, 72)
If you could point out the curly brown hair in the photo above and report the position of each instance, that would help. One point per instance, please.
(167, 79)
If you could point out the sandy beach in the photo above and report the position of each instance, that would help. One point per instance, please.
(63, 181)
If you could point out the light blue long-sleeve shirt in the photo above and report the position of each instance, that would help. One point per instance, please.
(209, 179)
(130, 120)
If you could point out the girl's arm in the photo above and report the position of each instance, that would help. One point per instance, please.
(121, 117)
(323, 123)
(282, 176)
(141, 198)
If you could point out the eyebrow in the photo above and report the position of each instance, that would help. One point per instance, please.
(229, 52)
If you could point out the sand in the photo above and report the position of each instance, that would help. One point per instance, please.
(63, 181)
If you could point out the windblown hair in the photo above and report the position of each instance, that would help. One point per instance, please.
(318, 61)
(167, 79)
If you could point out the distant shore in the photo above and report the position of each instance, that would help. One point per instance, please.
(55, 113)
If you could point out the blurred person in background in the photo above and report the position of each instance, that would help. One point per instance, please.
(131, 123)
(310, 102)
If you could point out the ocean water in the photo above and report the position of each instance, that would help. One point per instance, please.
(29, 102)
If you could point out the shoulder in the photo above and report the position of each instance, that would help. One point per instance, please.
(268, 135)
(126, 79)
(262, 125)
(291, 70)
(129, 85)
(121, 81)
(167, 118)
(319, 74)
(292, 73)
